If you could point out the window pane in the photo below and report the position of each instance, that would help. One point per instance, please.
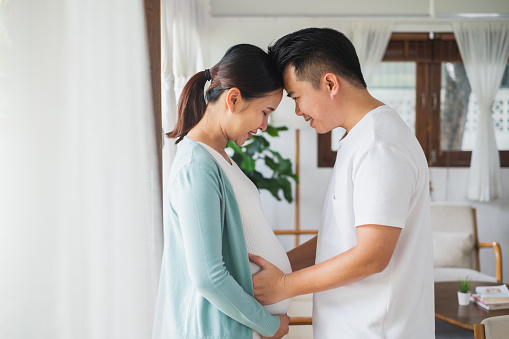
(459, 110)
(394, 85)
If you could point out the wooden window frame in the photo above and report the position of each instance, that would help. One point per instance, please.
(428, 54)
(152, 11)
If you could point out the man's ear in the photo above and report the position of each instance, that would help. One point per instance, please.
(233, 99)
(332, 83)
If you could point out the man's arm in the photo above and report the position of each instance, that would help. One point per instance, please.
(303, 255)
(372, 254)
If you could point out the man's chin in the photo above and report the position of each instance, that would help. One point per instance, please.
(321, 130)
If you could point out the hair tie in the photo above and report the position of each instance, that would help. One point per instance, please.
(207, 75)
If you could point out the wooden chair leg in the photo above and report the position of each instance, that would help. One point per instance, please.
(479, 331)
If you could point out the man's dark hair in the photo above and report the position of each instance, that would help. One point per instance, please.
(315, 51)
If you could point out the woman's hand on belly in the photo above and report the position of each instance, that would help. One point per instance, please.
(284, 327)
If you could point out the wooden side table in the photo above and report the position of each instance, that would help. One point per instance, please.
(447, 308)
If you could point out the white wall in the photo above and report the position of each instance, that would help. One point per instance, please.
(448, 184)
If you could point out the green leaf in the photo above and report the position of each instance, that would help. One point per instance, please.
(286, 186)
(238, 158)
(285, 166)
(274, 131)
(294, 177)
(248, 164)
(272, 164)
(258, 147)
(272, 186)
(464, 285)
(234, 146)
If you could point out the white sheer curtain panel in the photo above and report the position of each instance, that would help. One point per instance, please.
(79, 201)
(484, 48)
(183, 24)
(168, 100)
(189, 22)
(370, 40)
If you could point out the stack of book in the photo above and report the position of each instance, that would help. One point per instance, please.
(491, 297)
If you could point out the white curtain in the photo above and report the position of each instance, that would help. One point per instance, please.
(183, 27)
(168, 100)
(370, 40)
(484, 48)
(80, 240)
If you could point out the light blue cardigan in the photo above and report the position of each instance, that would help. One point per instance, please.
(205, 288)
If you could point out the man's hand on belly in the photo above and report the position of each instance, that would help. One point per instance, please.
(268, 284)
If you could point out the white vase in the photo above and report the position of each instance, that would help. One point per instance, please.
(464, 298)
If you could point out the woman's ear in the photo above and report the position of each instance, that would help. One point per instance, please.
(331, 81)
(233, 99)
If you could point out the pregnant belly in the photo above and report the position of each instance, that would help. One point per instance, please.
(282, 306)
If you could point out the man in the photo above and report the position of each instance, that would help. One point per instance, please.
(371, 265)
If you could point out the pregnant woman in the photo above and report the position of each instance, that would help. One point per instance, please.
(213, 213)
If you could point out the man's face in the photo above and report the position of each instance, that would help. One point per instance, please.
(313, 104)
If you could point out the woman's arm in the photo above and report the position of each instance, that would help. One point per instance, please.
(197, 200)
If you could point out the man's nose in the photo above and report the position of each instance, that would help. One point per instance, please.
(297, 110)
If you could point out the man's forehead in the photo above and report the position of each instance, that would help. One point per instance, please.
(289, 78)
(289, 71)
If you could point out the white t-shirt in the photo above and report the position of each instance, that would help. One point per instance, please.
(260, 238)
(380, 177)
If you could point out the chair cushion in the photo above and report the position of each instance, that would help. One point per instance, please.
(452, 249)
(457, 274)
(496, 327)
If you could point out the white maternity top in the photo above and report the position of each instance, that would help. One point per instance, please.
(259, 236)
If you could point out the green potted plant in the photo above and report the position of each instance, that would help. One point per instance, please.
(257, 149)
(464, 292)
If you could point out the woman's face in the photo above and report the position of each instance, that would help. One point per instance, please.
(254, 115)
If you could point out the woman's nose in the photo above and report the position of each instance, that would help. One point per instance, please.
(265, 122)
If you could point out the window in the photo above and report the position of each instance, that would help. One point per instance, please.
(425, 80)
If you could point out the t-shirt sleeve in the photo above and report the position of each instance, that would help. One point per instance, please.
(198, 204)
(383, 182)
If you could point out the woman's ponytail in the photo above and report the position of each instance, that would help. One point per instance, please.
(191, 106)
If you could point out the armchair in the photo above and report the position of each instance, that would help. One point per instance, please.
(492, 328)
(456, 245)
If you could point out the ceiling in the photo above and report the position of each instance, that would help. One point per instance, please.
(361, 8)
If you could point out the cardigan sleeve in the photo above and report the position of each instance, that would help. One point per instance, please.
(198, 200)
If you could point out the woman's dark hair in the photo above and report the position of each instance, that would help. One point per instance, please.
(246, 67)
(315, 51)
